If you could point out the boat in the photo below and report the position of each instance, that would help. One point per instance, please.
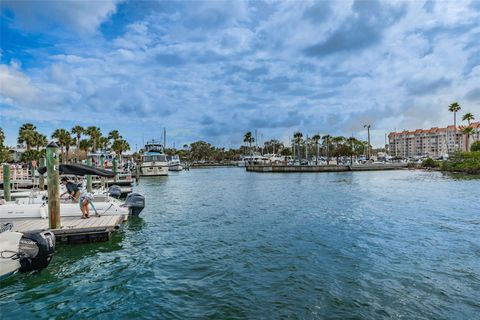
(154, 161)
(24, 252)
(252, 159)
(175, 164)
(103, 203)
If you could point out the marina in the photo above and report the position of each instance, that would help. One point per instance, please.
(322, 160)
(220, 238)
(325, 168)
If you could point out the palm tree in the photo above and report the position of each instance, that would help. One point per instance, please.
(39, 140)
(468, 117)
(352, 141)
(467, 131)
(338, 141)
(2, 138)
(326, 141)
(95, 135)
(103, 143)
(454, 107)
(119, 146)
(316, 138)
(84, 145)
(63, 137)
(297, 139)
(248, 137)
(114, 135)
(68, 143)
(78, 131)
(26, 134)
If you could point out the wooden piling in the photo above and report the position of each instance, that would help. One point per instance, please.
(137, 172)
(6, 182)
(41, 180)
(89, 177)
(115, 169)
(53, 186)
(102, 165)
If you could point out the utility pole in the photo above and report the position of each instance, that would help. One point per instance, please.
(368, 146)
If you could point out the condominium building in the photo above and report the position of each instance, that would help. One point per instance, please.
(433, 142)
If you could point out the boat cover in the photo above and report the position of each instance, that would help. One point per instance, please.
(80, 170)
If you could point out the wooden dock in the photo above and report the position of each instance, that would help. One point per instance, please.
(73, 230)
(325, 168)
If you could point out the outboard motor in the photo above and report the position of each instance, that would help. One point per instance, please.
(115, 191)
(36, 250)
(135, 203)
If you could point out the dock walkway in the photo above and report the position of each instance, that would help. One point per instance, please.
(325, 168)
(73, 230)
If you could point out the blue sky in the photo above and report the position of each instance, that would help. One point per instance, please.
(216, 69)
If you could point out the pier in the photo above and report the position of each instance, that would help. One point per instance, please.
(325, 168)
(73, 230)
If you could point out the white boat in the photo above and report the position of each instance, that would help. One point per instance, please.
(24, 251)
(175, 164)
(252, 159)
(154, 161)
(102, 204)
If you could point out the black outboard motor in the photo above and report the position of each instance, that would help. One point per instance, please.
(36, 250)
(135, 203)
(115, 191)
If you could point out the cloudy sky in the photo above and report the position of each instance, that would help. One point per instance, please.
(216, 69)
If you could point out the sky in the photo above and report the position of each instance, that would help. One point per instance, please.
(213, 70)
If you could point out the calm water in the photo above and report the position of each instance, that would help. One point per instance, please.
(223, 243)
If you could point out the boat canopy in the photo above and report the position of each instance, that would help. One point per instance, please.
(80, 170)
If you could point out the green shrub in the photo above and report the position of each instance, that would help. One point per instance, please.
(429, 163)
(475, 146)
(467, 162)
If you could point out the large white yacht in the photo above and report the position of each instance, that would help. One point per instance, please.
(154, 160)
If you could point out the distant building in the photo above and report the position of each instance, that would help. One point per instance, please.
(433, 142)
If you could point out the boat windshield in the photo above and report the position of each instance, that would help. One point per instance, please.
(150, 158)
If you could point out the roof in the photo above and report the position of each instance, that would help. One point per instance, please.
(475, 125)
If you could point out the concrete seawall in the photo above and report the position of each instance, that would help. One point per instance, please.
(325, 168)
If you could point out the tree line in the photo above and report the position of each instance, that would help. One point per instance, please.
(84, 139)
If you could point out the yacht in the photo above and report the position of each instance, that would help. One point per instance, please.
(154, 161)
(252, 159)
(175, 164)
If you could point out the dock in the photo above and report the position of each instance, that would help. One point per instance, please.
(73, 229)
(325, 168)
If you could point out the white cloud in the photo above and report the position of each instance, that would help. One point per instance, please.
(79, 16)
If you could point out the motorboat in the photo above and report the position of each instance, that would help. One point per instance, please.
(175, 164)
(154, 161)
(103, 202)
(252, 159)
(24, 251)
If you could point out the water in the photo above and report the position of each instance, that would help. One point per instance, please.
(224, 243)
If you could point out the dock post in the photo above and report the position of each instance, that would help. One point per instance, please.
(102, 165)
(6, 182)
(89, 177)
(41, 180)
(137, 172)
(115, 169)
(53, 186)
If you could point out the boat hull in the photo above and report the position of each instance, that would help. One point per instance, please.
(154, 170)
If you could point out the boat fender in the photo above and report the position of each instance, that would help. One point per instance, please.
(36, 250)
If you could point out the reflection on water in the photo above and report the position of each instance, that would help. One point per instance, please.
(225, 243)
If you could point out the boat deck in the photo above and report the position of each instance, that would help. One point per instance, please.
(74, 229)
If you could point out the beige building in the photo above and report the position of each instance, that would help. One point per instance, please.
(433, 142)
